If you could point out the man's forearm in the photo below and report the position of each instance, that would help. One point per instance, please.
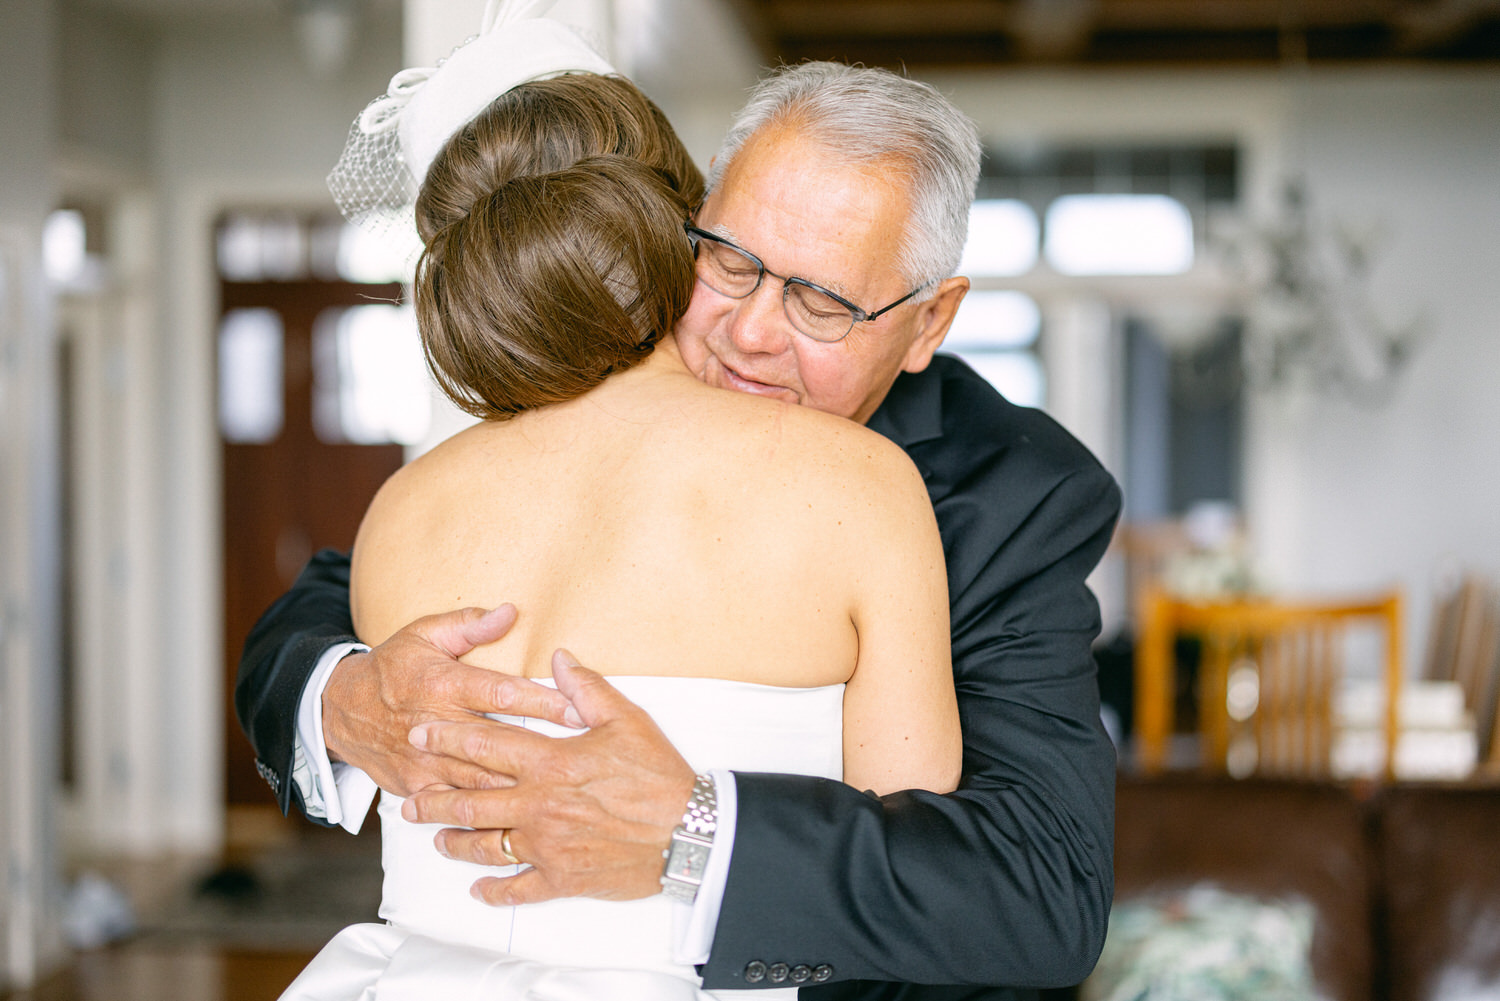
(332, 792)
(280, 656)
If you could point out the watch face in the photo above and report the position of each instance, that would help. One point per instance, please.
(686, 861)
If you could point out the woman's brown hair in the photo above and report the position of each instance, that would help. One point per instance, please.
(555, 252)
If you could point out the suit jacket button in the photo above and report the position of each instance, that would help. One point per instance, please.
(801, 973)
(755, 971)
(822, 973)
(778, 972)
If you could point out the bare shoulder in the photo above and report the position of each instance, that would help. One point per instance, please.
(413, 492)
(409, 519)
(811, 454)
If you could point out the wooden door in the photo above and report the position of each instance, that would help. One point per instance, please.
(286, 497)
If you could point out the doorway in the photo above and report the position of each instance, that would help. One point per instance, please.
(299, 464)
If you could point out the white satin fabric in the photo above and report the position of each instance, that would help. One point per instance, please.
(438, 942)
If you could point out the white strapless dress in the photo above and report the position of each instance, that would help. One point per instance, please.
(439, 942)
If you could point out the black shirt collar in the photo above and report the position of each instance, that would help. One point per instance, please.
(912, 411)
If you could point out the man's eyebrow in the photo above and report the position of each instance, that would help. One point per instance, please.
(727, 233)
(719, 229)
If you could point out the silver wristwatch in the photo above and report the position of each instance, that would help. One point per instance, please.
(687, 856)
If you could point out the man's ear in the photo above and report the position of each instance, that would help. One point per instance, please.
(934, 317)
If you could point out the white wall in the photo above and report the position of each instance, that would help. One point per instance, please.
(29, 579)
(1355, 498)
(167, 127)
(105, 88)
(1341, 499)
(238, 119)
(693, 59)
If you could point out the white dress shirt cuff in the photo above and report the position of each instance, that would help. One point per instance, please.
(696, 922)
(333, 791)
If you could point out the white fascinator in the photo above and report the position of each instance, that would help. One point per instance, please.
(394, 140)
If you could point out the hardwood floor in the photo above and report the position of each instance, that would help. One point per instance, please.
(164, 972)
(236, 927)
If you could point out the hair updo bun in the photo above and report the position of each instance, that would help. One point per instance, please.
(554, 246)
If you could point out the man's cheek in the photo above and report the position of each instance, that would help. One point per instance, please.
(693, 329)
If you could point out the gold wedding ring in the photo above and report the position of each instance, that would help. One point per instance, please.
(505, 848)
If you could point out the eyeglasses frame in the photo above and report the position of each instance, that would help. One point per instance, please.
(857, 315)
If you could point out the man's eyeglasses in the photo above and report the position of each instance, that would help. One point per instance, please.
(815, 311)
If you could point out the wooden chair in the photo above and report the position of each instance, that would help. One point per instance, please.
(1464, 647)
(1268, 676)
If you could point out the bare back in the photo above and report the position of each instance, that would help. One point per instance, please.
(656, 526)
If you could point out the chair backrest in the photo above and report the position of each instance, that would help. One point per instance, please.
(1268, 677)
(1464, 647)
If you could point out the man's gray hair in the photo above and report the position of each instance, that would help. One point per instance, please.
(868, 115)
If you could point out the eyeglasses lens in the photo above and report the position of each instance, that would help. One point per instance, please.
(817, 315)
(733, 273)
(726, 270)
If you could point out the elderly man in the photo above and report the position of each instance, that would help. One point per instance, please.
(837, 186)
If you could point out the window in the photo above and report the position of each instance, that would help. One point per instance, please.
(73, 256)
(283, 245)
(1119, 235)
(369, 377)
(1049, 214)
(251, 349)
(995, 332)
(1003, 237)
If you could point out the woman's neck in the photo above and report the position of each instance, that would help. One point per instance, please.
(665, 357)
(664, 362)
(634, 394)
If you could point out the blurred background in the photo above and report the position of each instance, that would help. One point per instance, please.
(1246, 250)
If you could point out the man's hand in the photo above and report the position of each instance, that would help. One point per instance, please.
(374, 699)
(590, 814)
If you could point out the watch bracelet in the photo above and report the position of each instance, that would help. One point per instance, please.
(686, 857)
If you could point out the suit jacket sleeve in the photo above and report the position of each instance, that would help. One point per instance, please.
(280, 654)
(1007, 881)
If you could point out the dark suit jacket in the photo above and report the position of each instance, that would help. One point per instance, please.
(1006, 881)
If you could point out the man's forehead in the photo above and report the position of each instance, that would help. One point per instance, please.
(765, 243)
(757, 233)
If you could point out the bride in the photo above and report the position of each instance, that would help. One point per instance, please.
(766, 580)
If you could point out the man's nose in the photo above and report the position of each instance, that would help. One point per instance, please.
(759, 324)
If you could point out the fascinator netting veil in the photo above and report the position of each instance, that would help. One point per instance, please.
(395, 139)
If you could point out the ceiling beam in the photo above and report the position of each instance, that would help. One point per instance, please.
(960, 32)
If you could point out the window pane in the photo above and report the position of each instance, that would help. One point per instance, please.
(283, 246)
(995, 320)
(1119, 235)
(64, 246)
(250, 379)
(1016, 374)
(239, 249)
(1003, 236)
(256, 247)
(363, 257)
(370, 379)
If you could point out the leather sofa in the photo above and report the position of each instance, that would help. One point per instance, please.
(1404, 880)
